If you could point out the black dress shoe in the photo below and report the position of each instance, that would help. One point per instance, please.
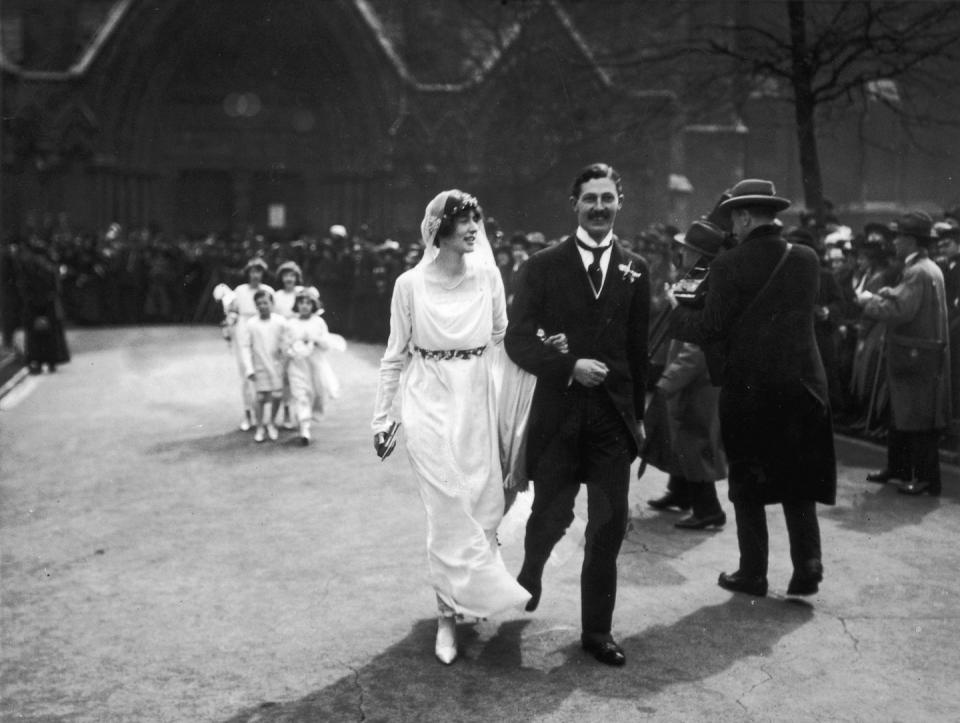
(671, 499)
(606, 651)
(806, 581)
(916, 487)
(881, 477)
(534, 587)
(755, 585)
(701, 523)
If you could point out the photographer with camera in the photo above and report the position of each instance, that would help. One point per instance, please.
(683, 430)
(774, 405)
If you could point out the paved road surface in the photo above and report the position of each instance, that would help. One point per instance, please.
(157, 565)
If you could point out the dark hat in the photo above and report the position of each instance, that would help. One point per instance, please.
(917, 224)
(703, 237)
(802, 236)
(292, 267)
(754, 192)
(255, 262)
(877, 227)
(519, 238)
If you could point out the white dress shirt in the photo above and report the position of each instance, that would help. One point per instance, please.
(587, 256)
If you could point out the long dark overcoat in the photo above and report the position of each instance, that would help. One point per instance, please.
(556, 297)
(687, 422)
(39, 287)
(915, 312)
(774, 404)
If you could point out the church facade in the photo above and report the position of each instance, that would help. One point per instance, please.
(234, 115)
(239, 116)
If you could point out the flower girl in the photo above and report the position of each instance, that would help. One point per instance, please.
(312, 380)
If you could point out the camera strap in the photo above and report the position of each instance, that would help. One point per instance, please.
(773, 275)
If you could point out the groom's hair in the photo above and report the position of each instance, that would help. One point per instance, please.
(596, 170)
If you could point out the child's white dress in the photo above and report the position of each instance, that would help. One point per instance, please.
(312, 380)
(242, 309)
(263, 352)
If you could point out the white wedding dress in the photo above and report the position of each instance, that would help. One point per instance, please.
(440, 355)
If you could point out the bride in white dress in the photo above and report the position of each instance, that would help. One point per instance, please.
(446, 315)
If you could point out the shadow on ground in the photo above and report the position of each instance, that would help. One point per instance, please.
(226, 444)
(880, 508)
(491, 682)
(655, 539)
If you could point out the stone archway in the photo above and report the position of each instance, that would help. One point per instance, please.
(250, 104)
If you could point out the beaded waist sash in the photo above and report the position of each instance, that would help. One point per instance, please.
(445, 354)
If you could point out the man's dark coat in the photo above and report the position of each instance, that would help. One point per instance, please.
(774, 404)
(556, 297)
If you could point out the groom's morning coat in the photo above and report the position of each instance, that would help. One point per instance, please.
(555, 296)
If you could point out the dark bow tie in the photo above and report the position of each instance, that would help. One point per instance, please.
(594, 272)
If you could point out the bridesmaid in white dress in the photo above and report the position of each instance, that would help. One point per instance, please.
(312, 379)
(447, 314)
(284, 300)
(241, 309)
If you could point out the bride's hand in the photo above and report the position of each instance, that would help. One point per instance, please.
(383, 444)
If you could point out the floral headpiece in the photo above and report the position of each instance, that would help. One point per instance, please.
(445, 205)
(462, 202)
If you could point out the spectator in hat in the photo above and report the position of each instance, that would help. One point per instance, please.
(869, 394)
(504, 258)
(38, 284)
(952, 216)
(683, 428)
(520, 250)
(658, 254)
(918, 359)
(827, 314)
(948, 244)
(774, 403)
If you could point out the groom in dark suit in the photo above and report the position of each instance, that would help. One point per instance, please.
(586, 417)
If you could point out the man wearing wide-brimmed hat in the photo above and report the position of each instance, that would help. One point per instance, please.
(918, 359)
(774, 405)
(948, 246)
(683, 429)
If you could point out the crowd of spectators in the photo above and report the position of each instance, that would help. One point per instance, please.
(852, 346)
(141, 276)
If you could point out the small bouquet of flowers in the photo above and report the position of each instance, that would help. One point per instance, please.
(301, 348)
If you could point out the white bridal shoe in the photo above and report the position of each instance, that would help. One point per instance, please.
(446, 648)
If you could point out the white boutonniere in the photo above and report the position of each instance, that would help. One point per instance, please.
(628, 273)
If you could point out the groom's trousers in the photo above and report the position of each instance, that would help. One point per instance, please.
(592, 446)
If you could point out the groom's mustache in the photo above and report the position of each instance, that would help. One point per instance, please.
(593, 215)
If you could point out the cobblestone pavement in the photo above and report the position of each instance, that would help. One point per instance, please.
(157, 565)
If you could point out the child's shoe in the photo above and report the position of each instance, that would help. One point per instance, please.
(258, 436)
(272, 432)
